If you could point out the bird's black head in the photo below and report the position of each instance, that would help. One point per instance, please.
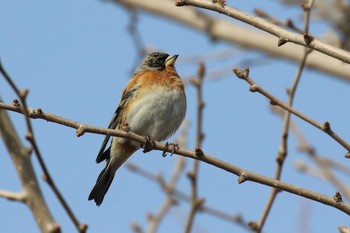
(156, 61)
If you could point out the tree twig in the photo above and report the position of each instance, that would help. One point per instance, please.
(220, 29)
(325, 127)
(244, 175)
(283, 35)
(31, 138)
(33, 197)
(181, 196)
(283, 148)
(12, 196)
(196, 202)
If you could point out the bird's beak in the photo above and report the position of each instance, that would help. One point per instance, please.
(170, 61)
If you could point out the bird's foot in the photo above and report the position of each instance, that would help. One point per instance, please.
(170, 146)
(126, 127)
(148, 145)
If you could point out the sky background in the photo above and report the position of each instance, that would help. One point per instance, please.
(76, 57)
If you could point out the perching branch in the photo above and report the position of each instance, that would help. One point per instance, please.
(243, 175)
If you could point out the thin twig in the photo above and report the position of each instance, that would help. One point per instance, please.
(224, 29)
(31, 190)
(283, 149)
(282, 34)
(13, 196)
(193, 175)
(181, 196)
(155, 219)
(244, 175)
(325, 127)
(136, 37)
(31, 138)
(324, 164)
(288, 23)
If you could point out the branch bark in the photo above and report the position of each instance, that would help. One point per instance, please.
(225, 30)
(32, 195)
(243, 175)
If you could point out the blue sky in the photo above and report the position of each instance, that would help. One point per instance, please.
(75, 57)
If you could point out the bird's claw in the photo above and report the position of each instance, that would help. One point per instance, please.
(148, 145)
(173, 146)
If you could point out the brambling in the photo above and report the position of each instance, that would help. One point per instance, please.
(153, 104)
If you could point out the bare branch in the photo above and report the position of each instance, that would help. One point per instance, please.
(11, 196)
(181, 196)
(169, 202)
(283, 149)
(270, 28)
(31, 190)
(325, 127)
(221, 29)
(244, 175)
(196, 202)
(31, 138)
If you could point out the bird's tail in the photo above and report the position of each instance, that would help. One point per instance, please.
(113, 162)
(102, 185)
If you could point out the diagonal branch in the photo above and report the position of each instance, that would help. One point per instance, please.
(325, 127)
(31, 194)
(31, 138)
(181, 196)
(283, 35)
(283, 149)
(244, 175)
(196, 202)
(220, 29)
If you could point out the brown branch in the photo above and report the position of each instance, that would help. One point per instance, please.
(181, 196)
(31, 138)
(283, 149)
(196, 202)
(136, 228)
(280, 33)
(156, 219)
(288, 23)
(325, 127)
(169, 202)
(136, 37)
(33, 197)
(11, 196)
(324, 164)
(306, 147)
(343, 229)
(225, 30)
(244, 175)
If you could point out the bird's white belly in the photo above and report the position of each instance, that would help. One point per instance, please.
(158, 114)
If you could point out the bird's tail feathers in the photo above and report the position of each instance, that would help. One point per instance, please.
(102, 185)
(104, 180)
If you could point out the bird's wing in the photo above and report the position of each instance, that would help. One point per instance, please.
(128, 94)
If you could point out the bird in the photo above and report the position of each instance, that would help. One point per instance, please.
(153, 104)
